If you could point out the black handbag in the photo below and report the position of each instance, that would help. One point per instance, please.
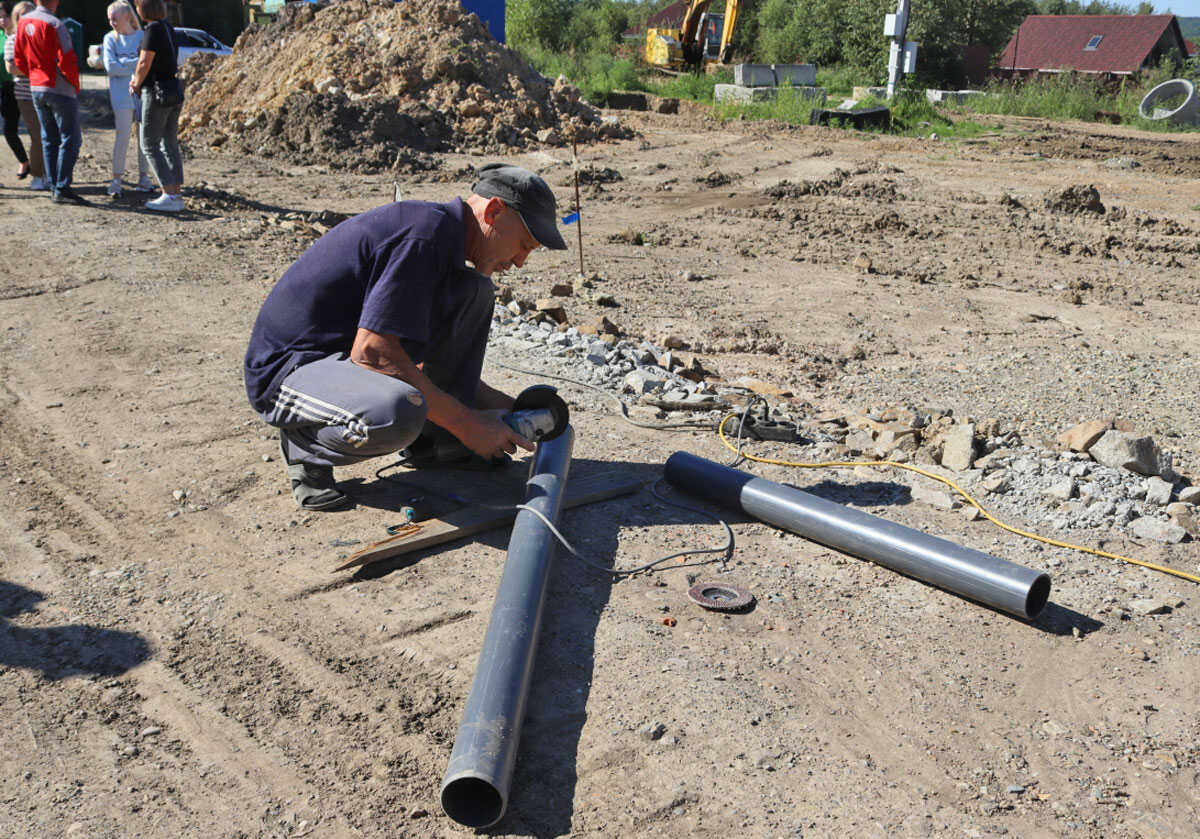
(167, 93)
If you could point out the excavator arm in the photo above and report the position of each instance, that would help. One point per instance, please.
(731, 13)
(693, 45)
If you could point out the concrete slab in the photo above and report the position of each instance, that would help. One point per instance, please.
(741, 93)
(796, 75)
(753, 75)
(950, 97)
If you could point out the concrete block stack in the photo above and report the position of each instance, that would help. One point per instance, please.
(762, 82)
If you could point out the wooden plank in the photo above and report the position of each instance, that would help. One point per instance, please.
(471, 520)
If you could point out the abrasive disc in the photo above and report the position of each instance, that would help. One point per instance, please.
(720, 597)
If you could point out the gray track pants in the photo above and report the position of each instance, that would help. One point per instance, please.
(335, 412)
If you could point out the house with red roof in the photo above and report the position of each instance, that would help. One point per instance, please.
(1112, 45)
(668, 17)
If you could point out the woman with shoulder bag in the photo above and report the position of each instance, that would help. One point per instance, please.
(162, 98)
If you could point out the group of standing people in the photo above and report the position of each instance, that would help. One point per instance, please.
(40, 85)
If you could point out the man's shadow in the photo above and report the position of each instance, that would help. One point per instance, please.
(61, 651)
(542, 794)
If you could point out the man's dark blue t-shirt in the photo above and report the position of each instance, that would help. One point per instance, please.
(392, 270)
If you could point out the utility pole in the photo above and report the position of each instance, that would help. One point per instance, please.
(902, 54)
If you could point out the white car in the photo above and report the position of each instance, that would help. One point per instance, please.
(191, 41)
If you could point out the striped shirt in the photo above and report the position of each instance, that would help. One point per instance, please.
(22, 82)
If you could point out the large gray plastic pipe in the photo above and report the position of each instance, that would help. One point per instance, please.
(982, 577)
(475, 789)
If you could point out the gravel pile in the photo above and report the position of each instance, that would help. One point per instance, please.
(370, 86)
(1117, 480)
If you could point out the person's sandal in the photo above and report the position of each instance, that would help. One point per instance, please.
(313, 487)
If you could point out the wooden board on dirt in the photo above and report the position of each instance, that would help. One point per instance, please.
(471, 520)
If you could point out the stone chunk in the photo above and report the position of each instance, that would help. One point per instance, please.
(1121, 450)
(1063, 489)
(761, 387)
(935, 498)
(1184, 515)
(599, 326)
(958, 448)
(642, 381)
(1157, 530)
(652, 731)
(997, 485)
(562, 290)
(859, 441)
(553, 309)
(1158, 491)
(1190, 495)
(1149, 606)
(597, 353)
(1083, 436)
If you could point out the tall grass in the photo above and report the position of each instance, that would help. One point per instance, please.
(788, 106)
(1071, 96)
(840, 79)
(596, 74)
(695, 86)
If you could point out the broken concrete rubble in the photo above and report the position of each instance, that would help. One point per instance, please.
(958, 447)
(1081, 437)
(1121, 450)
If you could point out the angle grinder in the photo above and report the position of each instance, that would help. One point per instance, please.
(538, 414)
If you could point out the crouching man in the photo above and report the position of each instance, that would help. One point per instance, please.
(380, 326)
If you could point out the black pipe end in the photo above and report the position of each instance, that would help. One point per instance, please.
(472, 802)
(1039, 595)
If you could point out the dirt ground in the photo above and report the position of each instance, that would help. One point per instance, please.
(177, 659)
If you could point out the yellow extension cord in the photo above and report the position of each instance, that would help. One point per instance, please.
(893, 464)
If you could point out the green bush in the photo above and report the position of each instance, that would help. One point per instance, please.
(838, 79)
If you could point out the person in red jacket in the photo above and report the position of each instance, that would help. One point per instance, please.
(45, 54)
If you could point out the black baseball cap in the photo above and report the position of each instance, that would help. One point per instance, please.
(526, 193)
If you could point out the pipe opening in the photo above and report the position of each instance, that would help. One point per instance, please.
(472, 802)
(1039, 593)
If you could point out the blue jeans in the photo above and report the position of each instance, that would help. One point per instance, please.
(58, 116)
(159, 139)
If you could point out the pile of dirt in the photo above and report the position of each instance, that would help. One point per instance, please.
(1081, 198)
(369, 86)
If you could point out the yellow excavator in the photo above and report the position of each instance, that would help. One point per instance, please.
(702, 38)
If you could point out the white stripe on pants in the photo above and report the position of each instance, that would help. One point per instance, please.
(125, 118)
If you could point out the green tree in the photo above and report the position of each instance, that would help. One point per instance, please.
(537, 23)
